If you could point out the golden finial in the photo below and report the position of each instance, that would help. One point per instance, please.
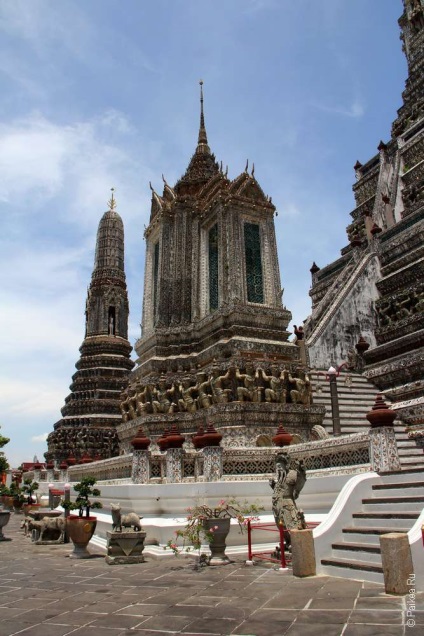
(112, 202)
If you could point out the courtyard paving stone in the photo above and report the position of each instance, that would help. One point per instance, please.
(44, 593)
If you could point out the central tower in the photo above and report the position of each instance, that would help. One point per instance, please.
(212, 284)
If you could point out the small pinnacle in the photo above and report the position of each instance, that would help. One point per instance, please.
(247, 165)
(112, 201)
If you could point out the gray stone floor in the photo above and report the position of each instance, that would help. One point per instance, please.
(44, 593)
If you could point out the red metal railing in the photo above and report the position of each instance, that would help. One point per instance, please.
(267, 556)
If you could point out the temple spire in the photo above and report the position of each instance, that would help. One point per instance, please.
(202, 144)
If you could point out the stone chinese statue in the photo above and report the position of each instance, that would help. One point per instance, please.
(290, 479)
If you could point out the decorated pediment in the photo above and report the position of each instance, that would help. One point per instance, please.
(246, 186)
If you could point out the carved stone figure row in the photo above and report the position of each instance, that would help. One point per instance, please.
(66, 442)
(409, 303)
(252, 385)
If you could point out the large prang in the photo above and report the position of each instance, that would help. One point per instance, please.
(375, 289)
(214, 342)
(91, 412)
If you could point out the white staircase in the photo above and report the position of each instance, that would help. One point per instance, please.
(356, 397)
(394, 505)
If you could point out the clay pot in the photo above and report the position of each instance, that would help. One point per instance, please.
(282, 437)
(380, 415)
(140, 441)
(80, 530)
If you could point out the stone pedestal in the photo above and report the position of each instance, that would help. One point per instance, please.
(174, 468)
(397, 562)
(303, 553)
(384, 455)
(213, 465)
(140, 467)
(125, 547)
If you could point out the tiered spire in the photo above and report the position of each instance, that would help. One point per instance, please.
(202, 144)
(202, 166)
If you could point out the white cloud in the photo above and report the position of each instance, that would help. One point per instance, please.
(355, 110)
(39, 438)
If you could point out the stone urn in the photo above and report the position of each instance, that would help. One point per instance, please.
(80, 530)
(4, 520)
(217, 530)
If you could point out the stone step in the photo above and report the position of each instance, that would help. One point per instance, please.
(409, 488)
(365, 552)
(405, 503)
(391, 520)
(351, 569)
(369, 534)
(413, 461)
(410, 451)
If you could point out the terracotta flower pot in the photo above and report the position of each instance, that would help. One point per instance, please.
(218, 529)
(80, 530)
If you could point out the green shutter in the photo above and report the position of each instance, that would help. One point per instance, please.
(213, 268)
(252, 250)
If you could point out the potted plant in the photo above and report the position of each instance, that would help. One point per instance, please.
(5, 496)
(28, 489)
(81, 527)
(18, 497)
(207, 524)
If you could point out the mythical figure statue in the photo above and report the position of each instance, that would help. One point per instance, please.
(302, 393)
(204, 400)
(216, 381)
(290, 479)
(249, 392)
(142, 399)
(161, 402)
(123, 406)
(277, 391)
(187, 401)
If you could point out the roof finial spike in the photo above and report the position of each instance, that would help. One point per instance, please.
(253, 170)
(203, 139)
(112, 202)
(247, 165)
(150, 186)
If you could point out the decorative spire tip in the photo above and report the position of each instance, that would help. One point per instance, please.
(112, 201)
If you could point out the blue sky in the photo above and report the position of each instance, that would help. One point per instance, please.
(102, 93)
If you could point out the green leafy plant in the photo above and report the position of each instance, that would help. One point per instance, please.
(29, 487)
(83, 502)
(4, 491)
(16, 493)
(195, 533)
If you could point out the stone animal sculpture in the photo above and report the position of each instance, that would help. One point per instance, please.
(130, 520)
(49, 529)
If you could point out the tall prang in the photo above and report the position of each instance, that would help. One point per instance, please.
(214, 327)
(375, 289)
(92, 409)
